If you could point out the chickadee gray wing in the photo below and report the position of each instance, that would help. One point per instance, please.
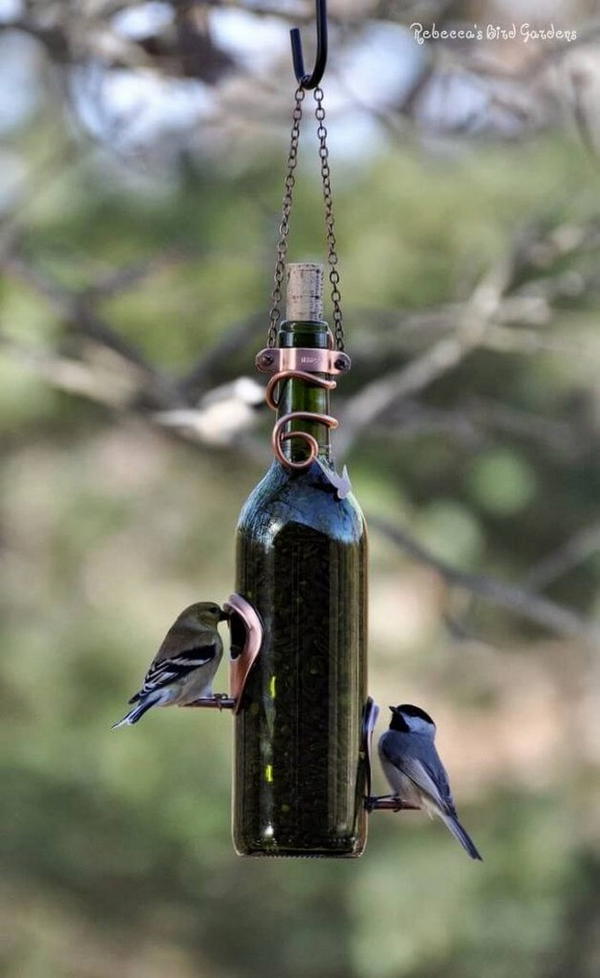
(419, 761)
(427, 781)
(431, 764)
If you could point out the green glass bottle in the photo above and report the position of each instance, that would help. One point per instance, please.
(299, 775)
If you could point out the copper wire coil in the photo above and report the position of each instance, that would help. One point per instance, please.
(280, 436)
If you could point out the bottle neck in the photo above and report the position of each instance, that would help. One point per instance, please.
(298, 395)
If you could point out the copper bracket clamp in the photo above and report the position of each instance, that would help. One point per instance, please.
(237, 609)
(274, 359)
(306, 364)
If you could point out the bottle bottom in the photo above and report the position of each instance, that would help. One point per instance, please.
(262, 854)
(350, 849)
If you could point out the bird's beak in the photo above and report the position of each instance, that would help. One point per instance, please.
(223, 616)
(392, 708)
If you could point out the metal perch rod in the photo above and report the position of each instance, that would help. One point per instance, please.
(387, 803)
(217, 702)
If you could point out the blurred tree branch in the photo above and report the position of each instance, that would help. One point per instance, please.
(76, 310)
(210, 366)
(520, 93)
(506, 297)
(574, 551)
(374, 399)
(518, 600)
(122, 379)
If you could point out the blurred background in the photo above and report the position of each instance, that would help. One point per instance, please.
(142, 161)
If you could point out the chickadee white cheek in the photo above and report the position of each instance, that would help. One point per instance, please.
(419, 726)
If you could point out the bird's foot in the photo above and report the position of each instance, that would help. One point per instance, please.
(225, 702)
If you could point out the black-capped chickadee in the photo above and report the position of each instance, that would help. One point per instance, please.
(184, 667)
(223, 414)
(415, 772)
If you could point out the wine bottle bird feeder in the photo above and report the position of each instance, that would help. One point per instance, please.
(298, 619)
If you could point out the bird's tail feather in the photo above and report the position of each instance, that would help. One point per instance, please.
(462, 835)
(134, 715)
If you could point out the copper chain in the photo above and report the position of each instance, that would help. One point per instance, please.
(332, 258)
(284, 227)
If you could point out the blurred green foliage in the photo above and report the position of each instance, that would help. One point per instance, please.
(116, 845)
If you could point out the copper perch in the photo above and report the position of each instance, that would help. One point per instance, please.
(239, 665)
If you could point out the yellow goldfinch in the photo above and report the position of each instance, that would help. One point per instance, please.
(184, 666)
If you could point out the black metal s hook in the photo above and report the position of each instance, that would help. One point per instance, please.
(311, 81)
